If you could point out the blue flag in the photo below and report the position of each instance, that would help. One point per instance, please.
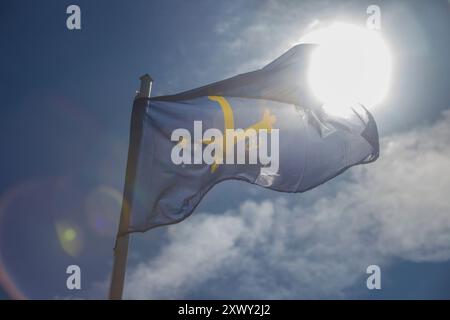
(259, 127)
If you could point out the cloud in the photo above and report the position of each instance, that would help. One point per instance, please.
(268, 30)
(260, 34)
(396, 207)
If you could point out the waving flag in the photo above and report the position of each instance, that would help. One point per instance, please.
(261, 127)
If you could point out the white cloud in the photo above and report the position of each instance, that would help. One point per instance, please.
(396, 207)
(182, 263)
(268, 31)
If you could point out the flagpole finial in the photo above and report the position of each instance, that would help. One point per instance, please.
(146, 86)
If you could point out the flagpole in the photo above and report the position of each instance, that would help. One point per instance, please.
(122, 239)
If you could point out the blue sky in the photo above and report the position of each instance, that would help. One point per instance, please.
(66, 101)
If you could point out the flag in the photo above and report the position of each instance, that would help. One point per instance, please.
(260, 127)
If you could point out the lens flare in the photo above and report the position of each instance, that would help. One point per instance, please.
(70, 234)
(45, 226)
(69, 238)
(103, 208)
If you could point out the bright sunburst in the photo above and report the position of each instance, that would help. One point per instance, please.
(351, 65)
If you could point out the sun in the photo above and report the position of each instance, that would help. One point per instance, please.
(351, 65)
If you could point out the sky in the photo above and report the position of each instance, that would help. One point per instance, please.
(66, 98)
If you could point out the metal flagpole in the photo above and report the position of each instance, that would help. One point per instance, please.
(122, 239)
